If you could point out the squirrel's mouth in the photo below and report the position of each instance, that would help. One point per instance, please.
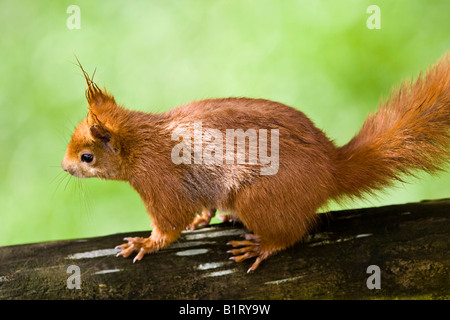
(73, 171)
(83, 173)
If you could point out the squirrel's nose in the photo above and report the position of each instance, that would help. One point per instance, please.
(64, 167)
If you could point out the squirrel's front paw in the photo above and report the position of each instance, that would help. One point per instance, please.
(142, 245)
(202, 220)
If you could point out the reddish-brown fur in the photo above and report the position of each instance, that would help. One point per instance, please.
(410, 131)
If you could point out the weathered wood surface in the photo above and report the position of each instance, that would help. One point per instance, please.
(409, 243)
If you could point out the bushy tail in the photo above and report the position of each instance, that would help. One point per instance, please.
(409, 132)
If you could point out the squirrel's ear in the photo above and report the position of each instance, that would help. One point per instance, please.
(97, 129)
(100, 133)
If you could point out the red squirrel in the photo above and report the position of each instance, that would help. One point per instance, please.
(181, 162)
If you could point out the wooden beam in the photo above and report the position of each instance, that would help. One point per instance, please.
(408, 243)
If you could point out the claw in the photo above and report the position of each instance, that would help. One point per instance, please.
(143, 245)
(249, 248)
(140, 255)
(126, 251)
(258, 261)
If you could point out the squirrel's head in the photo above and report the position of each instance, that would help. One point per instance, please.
(94, 149)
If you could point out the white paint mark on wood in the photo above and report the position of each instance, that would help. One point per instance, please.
(219, 273)
(363, 235)
(191, 252)
(277, 282)
(211, 265)
(108, 271)
(215, 234)
(204, 229)
(93, 254)
(178, 245)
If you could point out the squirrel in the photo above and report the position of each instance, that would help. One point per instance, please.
(160, 155)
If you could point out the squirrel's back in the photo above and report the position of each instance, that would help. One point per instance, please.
(302, 150)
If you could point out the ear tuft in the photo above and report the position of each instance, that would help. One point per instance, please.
(94, 95)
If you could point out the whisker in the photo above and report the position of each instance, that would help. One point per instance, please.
(61, 180)
(67, 183)
(85, 201)
(56, 177)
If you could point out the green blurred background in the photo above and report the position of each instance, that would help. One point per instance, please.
(317, 56)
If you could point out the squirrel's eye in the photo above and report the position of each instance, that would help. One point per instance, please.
(87, 157)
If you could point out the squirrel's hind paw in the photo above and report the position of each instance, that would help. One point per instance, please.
(249, 248)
